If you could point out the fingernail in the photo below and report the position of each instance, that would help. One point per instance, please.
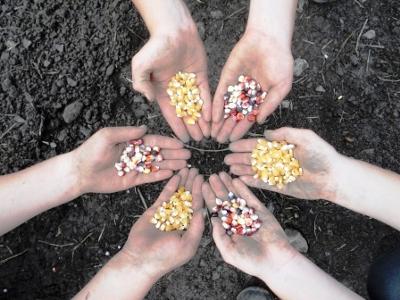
(143, 126)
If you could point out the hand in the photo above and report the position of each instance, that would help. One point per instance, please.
(158, 61)
(316, 157)
(268, 248)
(95, 159)
(160, 252)
(265, 60)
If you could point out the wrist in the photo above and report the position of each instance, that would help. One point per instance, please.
(264, 39)
(337, 174)
(72, 175)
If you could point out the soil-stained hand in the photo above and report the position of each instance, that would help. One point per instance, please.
(158, 61)
(96, 157)
(265, 61)
(316, 157)
(251, 254)
(158, 251)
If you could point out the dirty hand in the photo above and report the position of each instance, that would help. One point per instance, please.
(159, 252)
(316, 157)
(94, 160)
(158, 61)
(268, 248)
(267, 62)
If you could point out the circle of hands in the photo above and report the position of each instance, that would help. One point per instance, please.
(152, 67)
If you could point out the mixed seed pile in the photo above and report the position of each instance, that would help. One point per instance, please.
(185, 96)
(243, 99)
(274, 162)
(176, 213)
(138, 157)
(236, 216)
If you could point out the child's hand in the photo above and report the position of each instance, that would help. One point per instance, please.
(159, 252)
(316, 157)
(158, 61)
(268, 248)
(96, 157)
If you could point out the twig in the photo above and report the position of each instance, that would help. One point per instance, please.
(80, 243)
(359, 36)
(359, 4)
(389, 80)
(369, 54)
(9, 129)
(139, 192)
(12, 257)
(341, 47)
(101, 233)
(56, 245)
(235, 13)
(206, 150)
(134, 33)
(255, 134)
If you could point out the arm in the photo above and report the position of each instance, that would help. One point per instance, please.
(263, 53)
(88, 169)
(174, 46)
(267, 254)
(150, 253)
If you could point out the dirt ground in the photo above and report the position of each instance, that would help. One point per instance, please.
(53, 53)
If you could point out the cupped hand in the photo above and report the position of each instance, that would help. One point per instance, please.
(265, 60)
(267, 248)
(95, 159)
(316, 157)
(158, 251)
(158, 61)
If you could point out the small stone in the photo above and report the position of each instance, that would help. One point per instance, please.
(53, 145)
(71, 82)
(110, 70)
(300, 65)
(216, 275)
(107, 253)
(72, 111)
(46, 63)
(62, 135)
(26, 43)
(59, 47)
(297, 240)
(203, 263)
(216, 14)
(370, 34)
(285, 104)
(138, 99)
(320, 89)
(11, 44)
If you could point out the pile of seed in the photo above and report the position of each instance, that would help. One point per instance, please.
(138, 157)
(176, 213)
(274, 163)
(236, 217)
(185, 96)
(243, 99)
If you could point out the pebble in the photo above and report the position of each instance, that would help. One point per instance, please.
(71, 82)
(110, 70)
(72, 111)
(216, 275)
(216, 14)
(320, 89)
(300, 65)
(26, 43)
(370, 34)
(297, 240)
(59, 47)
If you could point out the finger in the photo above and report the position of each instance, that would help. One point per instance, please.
(139, 179)
(169, 154)
(218, 187)
(274, 98)
(227, 180)
(162, 141)
(293, 135)
(222, 240)
(205, 128)
(246, 145)
(141, 74)
(183, 174)
(226, 130)
(193, 172)
(225, 79)
(176, 123)
(244, 192)
(191, 238)
(240, 130)
(208, 195)
(241, 170)
(206, 96)
(215, 128)
(174, 164)
(194, 131)
(170, 188)
(257, 183)
(198, 202)
(116, 135)
(238, 159)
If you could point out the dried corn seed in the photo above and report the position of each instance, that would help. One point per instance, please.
(139, 157)
(274, 163)
(176, 213)
(185, 96)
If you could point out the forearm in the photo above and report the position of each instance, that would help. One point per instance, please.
(165, 16)
(368, 189)
(119, 279)
(34, 190)
(275, 19)
(300, 279)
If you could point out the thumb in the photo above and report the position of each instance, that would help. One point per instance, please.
(141, 75)
(117, 135)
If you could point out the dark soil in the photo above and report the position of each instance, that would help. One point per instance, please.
(53, 53)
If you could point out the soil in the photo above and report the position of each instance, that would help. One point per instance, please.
(53, 53)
